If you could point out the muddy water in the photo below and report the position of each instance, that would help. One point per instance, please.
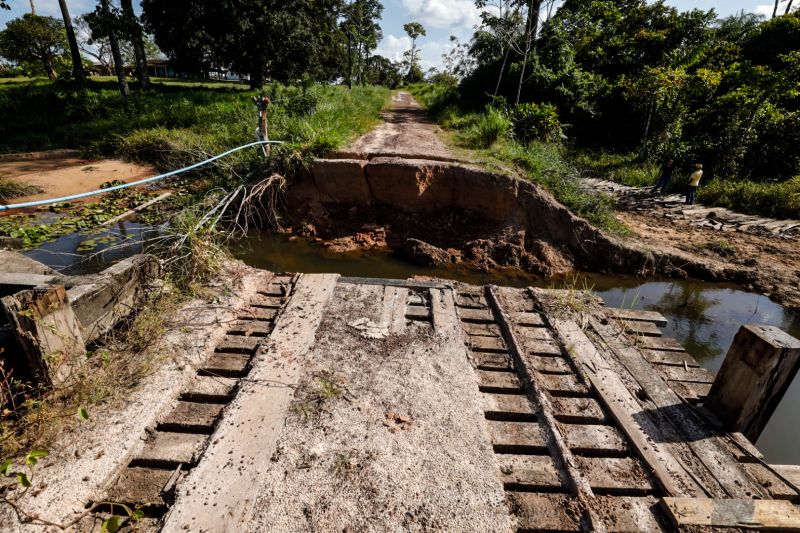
(704, 317)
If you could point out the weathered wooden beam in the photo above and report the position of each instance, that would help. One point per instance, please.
(704, 440)
(751, 514)
(543, 410)
(639, 315)
(46, 329)
(760, 365)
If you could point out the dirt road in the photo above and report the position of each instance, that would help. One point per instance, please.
(406, 132)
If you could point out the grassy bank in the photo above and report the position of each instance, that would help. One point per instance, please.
(171, 125)
(488, 136)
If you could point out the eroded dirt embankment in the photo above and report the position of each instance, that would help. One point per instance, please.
(442, 212)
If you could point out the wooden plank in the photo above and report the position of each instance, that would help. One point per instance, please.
(578, 411)
(583, 439)
(619, 475)
(563, 384)
(777, 488)
(527, 335)
(393, 308)
(417, 312)
(691, 374)
(471, 300)
(670, 358)
(485, 330)
(544, 512)
(557, 444)
(693, 430)
(544, 348)
(529, 472)
(487, 344)
(477, 316)
(644, 433)
(696, 392)
(517, 437)
(493, 361)
(790, 472)
(527, 319)
(758, 369)
(496, 406)
(631, 514)
(752, 514)
(645, 329)
(46, 329)
(233, 490)
(666, 344)
(502, 382)
(551, 365)
(638, 315)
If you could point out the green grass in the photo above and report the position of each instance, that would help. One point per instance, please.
(486, 137)
(173, 124)
(777, 199)
(628, 169)
(10, 188)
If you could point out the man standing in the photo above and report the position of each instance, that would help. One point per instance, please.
(665, 177)
(694, 182)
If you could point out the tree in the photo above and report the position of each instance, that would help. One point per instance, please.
(133, 31)
(77, 62)
(105, 23)
(363, 32)
(414, 30)
(34, 39)
(262, 38)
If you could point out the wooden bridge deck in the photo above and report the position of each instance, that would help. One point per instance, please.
(593, 419)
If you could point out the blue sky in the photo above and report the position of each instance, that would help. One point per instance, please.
(441, 18)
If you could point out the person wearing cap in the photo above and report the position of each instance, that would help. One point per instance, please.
(694, 182)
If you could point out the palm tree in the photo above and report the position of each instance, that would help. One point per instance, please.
(119, 66)
(77, 62)
(134, 31)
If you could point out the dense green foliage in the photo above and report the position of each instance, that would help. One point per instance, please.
(646, 80)
(37, 44)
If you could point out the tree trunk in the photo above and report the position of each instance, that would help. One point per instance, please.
(647, 125)
(788, 7)
(50, 68)
(77, 62)
(411, 67)
(530, 30)
(775, 9)
(502, 69)
(33, 8)
(135, 29)
(257, 77)
(119, 66)
(349, 59)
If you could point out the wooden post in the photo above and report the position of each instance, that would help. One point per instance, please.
(47, 331)
(759, 367)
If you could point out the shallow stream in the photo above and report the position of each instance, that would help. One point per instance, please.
(704, 317)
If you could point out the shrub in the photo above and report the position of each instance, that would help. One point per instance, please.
(484, 129)
(536, 122)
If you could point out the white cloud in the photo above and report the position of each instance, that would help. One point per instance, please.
(393, 47)
(764, 9)
(443, 13)
(50, 7)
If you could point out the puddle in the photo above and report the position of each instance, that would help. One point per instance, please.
(89, 253)
(704, 317)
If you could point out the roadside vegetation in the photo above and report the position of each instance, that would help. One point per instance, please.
(632, 84)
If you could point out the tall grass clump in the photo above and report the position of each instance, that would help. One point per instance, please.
(772, 199)
(482, 130)
(628, 169)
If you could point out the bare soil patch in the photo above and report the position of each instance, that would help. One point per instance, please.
(774, 262)
(62, 174)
